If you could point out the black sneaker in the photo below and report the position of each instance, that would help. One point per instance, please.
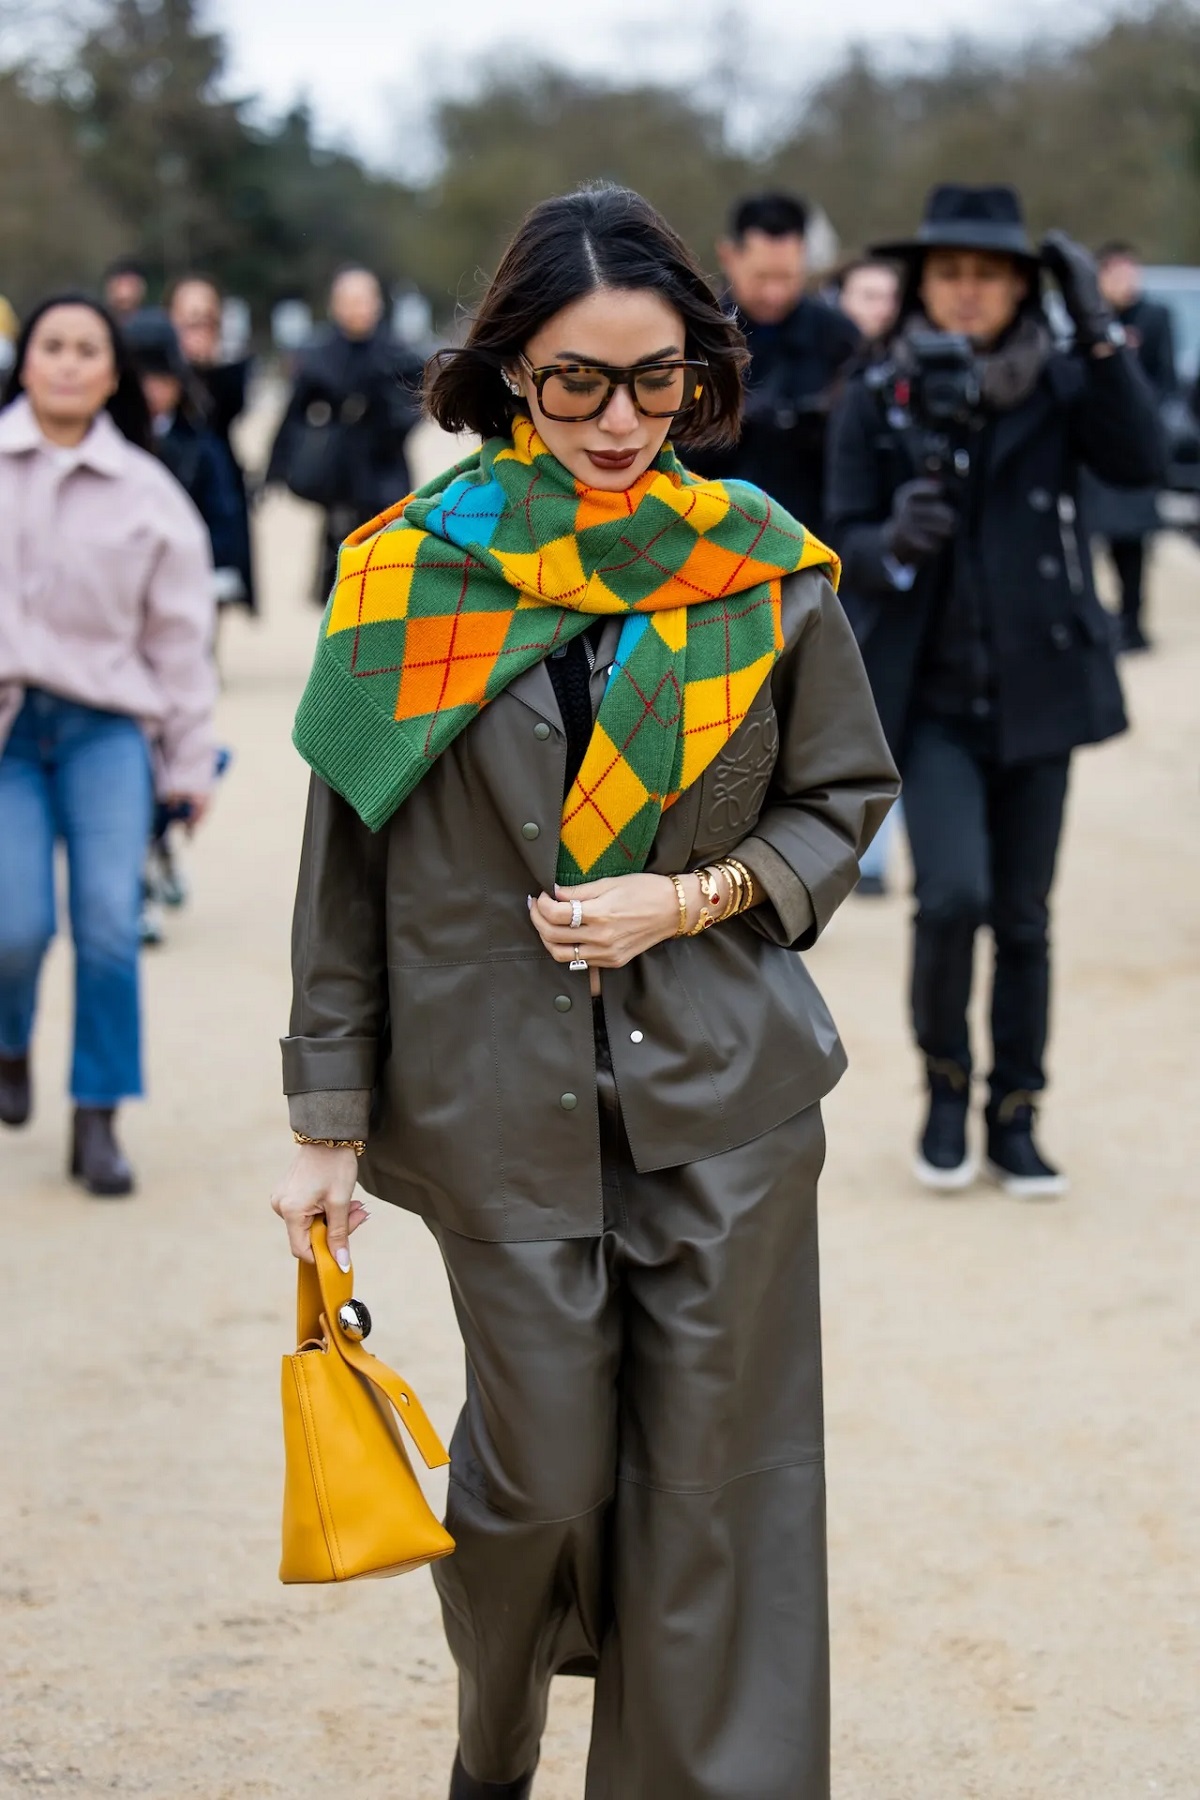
(943, 1161)
(1014, 1161)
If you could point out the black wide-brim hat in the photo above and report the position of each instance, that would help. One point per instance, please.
(967, 218)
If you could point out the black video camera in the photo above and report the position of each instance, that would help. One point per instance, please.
(937, 401)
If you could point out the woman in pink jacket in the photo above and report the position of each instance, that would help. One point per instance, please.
(106, 694)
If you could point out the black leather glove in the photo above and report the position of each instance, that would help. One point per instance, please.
(922, 521)
(1075, 272)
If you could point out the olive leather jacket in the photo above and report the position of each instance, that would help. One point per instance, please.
(428, 1018)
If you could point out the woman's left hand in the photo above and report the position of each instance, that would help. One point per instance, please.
(622, 916)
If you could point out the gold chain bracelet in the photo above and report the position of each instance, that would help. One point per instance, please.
(681, 896)
(358, 1145)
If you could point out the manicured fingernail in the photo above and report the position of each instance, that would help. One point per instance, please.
(529, 901)
(342, 1259)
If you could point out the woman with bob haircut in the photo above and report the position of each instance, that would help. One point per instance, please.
(593, 753)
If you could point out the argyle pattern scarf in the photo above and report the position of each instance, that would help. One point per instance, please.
(445, 598)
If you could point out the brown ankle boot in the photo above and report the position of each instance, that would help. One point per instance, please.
(97, 1159)
(16, 1101)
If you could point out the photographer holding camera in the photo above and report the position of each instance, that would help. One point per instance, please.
(952, 495)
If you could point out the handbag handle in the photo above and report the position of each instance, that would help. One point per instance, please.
(321, 1289)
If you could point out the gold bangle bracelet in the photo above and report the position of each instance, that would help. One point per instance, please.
(358, 1145)
(735, 876)
(710, 899)
(751, 893)
(680, 895)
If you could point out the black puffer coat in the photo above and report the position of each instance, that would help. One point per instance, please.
(1054, 682)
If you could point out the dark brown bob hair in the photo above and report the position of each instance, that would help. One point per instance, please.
(598, 237)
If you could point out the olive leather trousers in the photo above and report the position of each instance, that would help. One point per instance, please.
(637, 1478)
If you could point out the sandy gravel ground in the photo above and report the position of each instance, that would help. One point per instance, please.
(1013, 1390)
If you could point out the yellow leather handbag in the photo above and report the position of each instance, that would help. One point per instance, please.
(351, 1503)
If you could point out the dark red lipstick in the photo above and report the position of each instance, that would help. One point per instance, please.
(613, 460)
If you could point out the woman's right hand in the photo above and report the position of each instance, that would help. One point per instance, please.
(320, 1183)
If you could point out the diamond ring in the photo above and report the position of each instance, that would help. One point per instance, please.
(576, 915)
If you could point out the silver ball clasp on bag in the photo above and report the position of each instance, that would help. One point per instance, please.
(354, 1320)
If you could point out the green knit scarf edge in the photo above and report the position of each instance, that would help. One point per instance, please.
(354, 748)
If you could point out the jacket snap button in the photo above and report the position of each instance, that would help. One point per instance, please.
(1040, 500)
(541, 730)
(1060, 635)
(568, 1102)
(1047, 567)
(531, 831)
(562, 1002)
(635, 1037)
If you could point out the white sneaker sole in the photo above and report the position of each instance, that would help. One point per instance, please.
(945, 1181)
(1028, 1187)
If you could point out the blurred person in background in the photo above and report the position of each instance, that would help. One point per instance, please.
(953, 497)
(1128, 517)
(868, 292)
(194, 308)
(353, 404)
(636, 1481)
(125, 287)
(180, 434)
(10, 325)
(106, 695)
(181, 437)
(798, 348)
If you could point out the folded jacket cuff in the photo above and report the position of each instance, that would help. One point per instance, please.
(344, 1113)
(320, 1065)
(788, 915)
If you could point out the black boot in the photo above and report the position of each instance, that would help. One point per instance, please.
(97, 1159)
(1131, 640)
(16, 1097)
(465, 1787)
(944, 1161)
(1013, 1159)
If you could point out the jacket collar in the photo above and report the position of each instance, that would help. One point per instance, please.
(534, 689)
(103, 449)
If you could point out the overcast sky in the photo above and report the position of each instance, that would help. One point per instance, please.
(369, 67)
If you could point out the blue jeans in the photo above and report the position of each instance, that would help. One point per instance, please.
(73, 773)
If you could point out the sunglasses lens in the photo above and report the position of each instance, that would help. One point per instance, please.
(662, 391)
(576, 393)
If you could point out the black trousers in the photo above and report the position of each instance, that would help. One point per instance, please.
(984, 841)
(1129, 560)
